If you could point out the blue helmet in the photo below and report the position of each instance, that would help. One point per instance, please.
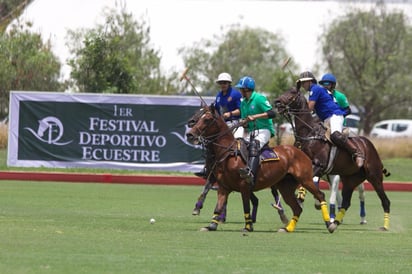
(328, 78)
(246, 82)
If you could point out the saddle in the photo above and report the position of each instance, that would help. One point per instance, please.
(266, 153)
(333, 152)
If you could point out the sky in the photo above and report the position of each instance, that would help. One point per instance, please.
(180, 23)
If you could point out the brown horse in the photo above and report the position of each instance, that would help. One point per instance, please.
(291, 169)
(311, 138)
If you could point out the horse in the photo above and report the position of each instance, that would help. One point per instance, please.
(311, 137)
(211, 180)
(291, 168)
(253, 199)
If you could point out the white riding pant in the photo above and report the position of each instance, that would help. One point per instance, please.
(262, 135)
(335, 122)
(238, 131)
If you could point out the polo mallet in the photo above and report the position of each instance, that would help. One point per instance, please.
(285, 65)
(184, 76)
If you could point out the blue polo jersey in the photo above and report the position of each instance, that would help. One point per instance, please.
(325, 106)
(228, 102)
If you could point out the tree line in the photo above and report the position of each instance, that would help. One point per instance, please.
(368, 51)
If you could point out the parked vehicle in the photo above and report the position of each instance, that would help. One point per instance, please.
(352, 123)
(392, 128)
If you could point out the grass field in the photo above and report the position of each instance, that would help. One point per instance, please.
(103, 228)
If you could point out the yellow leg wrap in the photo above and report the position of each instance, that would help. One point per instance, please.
(248, 222)
(325, 212)
(386, 221)
(340, 215)
(292, 224)
(215, 218)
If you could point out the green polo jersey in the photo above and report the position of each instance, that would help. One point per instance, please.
(340, 99)
(257, 103)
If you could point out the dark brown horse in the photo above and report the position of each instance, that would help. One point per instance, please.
(311, 138)
(291, 169)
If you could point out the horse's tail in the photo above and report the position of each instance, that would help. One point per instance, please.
(372, 148)
(386, 172)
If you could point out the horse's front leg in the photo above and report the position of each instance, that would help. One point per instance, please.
(246, 194)
(202, 197)
(222, 196)
(347, 191)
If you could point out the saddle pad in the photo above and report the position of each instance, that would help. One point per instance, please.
(268, 154)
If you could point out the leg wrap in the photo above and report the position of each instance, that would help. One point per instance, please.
(325, 212)
(332, 211)
(292, 224)
(386, 221)
(248, 222)
(340, 215)
(215, 218)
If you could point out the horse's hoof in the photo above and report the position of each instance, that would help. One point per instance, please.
(363, 222)
(204, 229)
(212, 226)
(196, 212)
(332, 227)
(246, 230)
(283, 230)
(383, 228)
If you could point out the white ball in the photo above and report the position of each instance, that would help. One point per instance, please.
(152, 221)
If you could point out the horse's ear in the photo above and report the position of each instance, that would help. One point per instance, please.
(212, 107)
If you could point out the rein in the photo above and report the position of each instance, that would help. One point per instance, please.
(290, 115)
(212, 140)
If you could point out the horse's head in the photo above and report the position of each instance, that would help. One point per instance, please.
(290, 100)
(204, 124)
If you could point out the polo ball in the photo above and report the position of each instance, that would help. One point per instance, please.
(152, 221)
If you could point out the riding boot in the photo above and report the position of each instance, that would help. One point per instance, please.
(202, 173)
(342, 141)
(249, 173)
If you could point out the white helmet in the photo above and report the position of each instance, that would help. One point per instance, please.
(224, 77)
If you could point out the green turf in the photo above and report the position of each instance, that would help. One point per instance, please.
(103, 228)
(400, 169)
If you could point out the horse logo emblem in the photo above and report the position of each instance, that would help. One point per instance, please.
(50, 131)
(183, 138)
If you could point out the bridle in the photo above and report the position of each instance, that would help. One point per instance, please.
(212, 139)
(289, 112)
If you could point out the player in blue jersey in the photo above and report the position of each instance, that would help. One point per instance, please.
(330, 113)
(227, 103)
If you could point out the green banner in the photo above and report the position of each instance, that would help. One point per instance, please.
(119, 131)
